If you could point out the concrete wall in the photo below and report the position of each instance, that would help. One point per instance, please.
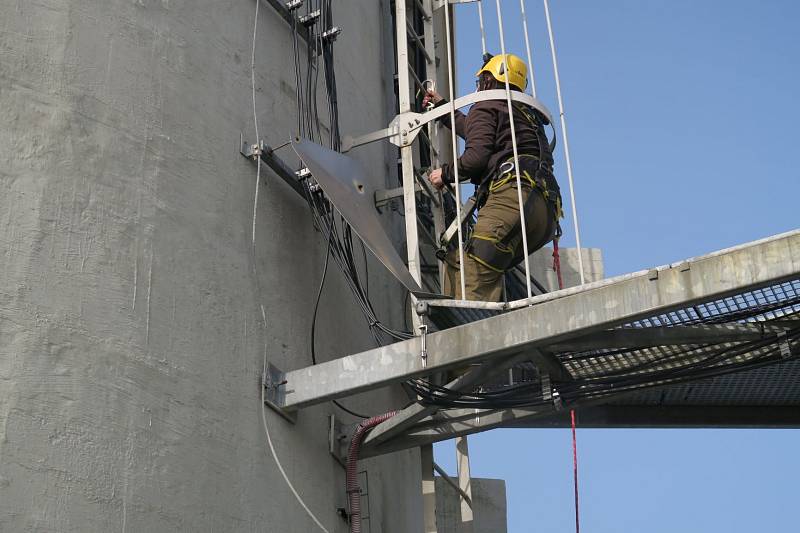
(131, 339)
(542, 267)
(488, 507)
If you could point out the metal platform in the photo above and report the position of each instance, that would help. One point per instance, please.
(712, 341)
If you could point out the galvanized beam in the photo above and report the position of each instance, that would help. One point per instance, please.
(554, 318)
(439, 470)
(415, 412)
(467, 422)
(453, 423)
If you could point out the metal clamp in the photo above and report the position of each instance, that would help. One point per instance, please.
(309, 19)
(429, 85)
(423, 352)
(786, 349)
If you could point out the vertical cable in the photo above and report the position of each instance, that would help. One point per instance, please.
(528, 47)
(516, 153)
(575, 471)
(447, 13)
(566, 142)
(483, 31)
(255, 121)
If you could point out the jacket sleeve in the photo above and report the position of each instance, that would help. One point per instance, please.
(461, 119)
(480, 130)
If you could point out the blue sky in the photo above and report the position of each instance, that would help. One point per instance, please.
(682, 119)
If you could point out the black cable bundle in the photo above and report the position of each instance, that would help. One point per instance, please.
(327, 221)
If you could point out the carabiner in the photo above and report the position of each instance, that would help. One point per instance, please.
(505, 168)
(429, 85)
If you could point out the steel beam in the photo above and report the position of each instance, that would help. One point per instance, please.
(415, 412)
(458, 423)
(600, 416)
(554, 319)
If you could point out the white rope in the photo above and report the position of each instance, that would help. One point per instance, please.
(263, 313)
(275, 456)
(483, 31)
(255, 121)
(457, 184)
(566, 142)
(516, 153)
(528, 47)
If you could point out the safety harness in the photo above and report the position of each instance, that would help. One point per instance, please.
(499, 254)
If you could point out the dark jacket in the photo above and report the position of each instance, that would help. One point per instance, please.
(487, 132)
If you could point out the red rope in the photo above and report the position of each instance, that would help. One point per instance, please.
(575, 471)
(557, 268)
(557, 264)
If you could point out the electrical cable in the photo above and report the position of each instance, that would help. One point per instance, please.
(313, 330)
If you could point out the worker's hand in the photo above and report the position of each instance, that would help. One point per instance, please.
(431, 96)
(435, 177)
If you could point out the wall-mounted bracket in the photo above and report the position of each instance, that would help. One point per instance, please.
(339, 436)
(275, 163)
(274, 382)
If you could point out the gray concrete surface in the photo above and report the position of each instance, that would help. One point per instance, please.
(131, 339)
(542, 267)
(488, 506)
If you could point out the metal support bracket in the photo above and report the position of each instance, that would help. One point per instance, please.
(339, 434)
(404, 128)
(274, 382)
(278, 166)
(384, 196)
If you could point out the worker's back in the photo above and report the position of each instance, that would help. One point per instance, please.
(528, 125)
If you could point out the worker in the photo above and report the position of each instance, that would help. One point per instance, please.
(495, 243)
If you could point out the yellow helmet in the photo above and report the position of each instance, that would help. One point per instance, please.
(517, 70)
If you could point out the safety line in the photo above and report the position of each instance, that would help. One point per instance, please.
(528, 47)
(516, 152)
(483, 30)
(575, 471)
(457, 185)
(566, 141)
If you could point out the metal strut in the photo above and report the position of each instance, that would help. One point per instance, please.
(404, 128)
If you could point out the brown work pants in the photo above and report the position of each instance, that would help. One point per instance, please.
(495, 220)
